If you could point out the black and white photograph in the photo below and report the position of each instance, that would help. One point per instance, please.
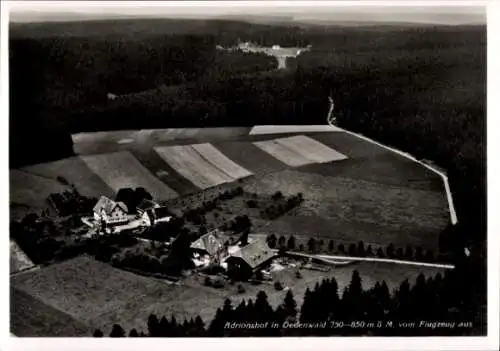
(227, 169)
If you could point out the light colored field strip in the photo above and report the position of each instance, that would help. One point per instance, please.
(221, 161)
(122, 170)
(293, 129)
(189, 164)
(214, 175)
(311, 149)
(282, 153)
(451, 206)
(177, 158)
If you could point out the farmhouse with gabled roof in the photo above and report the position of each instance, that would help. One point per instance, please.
(111, 212)
(250, 258)
(208, 243)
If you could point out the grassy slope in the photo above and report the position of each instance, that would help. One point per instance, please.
(30, 317)
(99, 295)
(28, 192)
(343, 208)
(76, 172)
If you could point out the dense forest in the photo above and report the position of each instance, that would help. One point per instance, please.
(419, 89)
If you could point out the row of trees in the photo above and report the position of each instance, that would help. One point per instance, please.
(195, 215)
(358, 250)
(133, 197)
(71, 202)
(449, 298)
(281, 206)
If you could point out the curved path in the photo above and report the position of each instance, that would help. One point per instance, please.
(370, 259)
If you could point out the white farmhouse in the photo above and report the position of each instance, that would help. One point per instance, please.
(110, 212)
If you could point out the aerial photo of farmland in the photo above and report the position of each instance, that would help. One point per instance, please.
(275, 174)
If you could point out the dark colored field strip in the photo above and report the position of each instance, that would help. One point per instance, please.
(250, 157)
(154, 163)
(381, 169)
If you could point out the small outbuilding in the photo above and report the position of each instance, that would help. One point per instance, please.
(152, 213)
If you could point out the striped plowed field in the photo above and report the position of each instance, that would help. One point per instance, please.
(187, 162)
(77, 173)
(311, 149)
(250, 157)
(122, 170)
(221, 161)
(150, 159)
(283, 153)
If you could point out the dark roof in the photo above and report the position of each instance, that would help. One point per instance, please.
(162, 212)
(209, 242)
(146, 204)
(255, 253)
(108, 205)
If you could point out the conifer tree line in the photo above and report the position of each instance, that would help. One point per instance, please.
(409, 310)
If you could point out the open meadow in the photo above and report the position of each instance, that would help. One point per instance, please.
(29, 192)
(351, 210)
(31, 317)
(76, 172)
(88, 294)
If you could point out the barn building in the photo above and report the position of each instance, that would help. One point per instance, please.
(152, 213)
(210, 247)
(248, 259)
(110, 212)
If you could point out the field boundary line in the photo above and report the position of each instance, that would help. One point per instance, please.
(444, 177)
